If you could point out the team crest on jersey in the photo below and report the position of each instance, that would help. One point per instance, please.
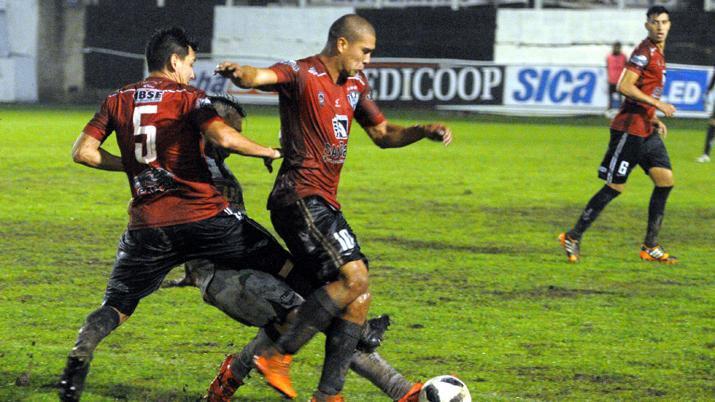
(292, 64)
(144, 95)
(340, 126)
(321, 98)
(353, 98)
(639, 60)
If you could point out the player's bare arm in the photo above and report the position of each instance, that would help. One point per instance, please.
(387, 135)
(246, 76)
(225, 136)
(88, 151)
(627, 87)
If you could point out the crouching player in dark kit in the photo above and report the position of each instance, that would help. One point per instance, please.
(267, 301)
(176, 213)
(636, 139)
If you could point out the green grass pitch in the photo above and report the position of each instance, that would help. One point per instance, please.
(464, 257)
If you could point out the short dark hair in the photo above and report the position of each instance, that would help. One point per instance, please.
(228, 107)
(656, 11)
(350, 27)
(164, 43)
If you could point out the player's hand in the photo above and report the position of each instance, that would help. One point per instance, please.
(229, 70)
(438, 132)
(268, 161)
(666, 108)
(661, 128)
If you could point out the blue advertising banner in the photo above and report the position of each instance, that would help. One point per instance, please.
(685, 88)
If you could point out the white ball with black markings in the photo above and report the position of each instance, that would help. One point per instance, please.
(444, 388)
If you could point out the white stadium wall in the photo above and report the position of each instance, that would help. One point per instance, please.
(565, 37)
(272, 32)
(18, 50)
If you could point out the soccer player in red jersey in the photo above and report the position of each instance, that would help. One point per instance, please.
(319, 96)
(176, 213)
(636, 139)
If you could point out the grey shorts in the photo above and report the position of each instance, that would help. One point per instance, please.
(251, 297)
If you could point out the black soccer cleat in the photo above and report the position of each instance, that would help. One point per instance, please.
(372, 333)
(72, 381)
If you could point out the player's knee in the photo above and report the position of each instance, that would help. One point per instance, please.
(617, 187)
(354, 278)
(711, 122)
(362, 302)
(122, 317)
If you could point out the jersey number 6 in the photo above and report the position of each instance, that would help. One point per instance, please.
(144, 136)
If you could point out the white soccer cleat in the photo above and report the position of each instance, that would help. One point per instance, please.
(703, 159)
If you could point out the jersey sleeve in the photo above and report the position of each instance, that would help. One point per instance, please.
(287, 72)
(367, 113)
(203, 112)
(101, 125)
(639, 60)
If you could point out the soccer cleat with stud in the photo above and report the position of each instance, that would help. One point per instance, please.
(657, 254)
(225, 384)
(704, 158)
(276, 371)
(571, 246)
(326, 398)
(72, 381)
(413, 395)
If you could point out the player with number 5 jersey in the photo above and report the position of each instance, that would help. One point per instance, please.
(176, 213)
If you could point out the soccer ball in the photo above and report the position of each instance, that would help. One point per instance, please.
(444, 388)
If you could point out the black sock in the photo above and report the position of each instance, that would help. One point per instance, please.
(242, 363)
(374, 368)
(593, 208)
(709, 140)
(656, 211)
(96, 327)
(314, 315)
(341, 339)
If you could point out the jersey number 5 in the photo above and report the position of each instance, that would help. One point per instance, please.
(144, 136)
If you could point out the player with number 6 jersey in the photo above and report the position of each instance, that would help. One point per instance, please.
(637, 136)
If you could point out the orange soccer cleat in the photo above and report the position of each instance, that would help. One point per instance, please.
(571, 246)
(276, 370)
(413, 394)
(327, 398)
(225, 384)
(657, 254)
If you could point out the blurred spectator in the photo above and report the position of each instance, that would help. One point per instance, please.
(615, 62)
(710, 136)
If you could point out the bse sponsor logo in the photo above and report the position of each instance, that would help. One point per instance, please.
(685, 88)
(335, 153)
(555, 86)
(436, 84)
(144, 95)
(340, 126)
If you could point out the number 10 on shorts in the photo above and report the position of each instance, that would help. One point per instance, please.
(346, 241)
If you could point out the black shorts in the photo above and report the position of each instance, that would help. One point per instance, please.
(145, 256)
(318, 236)
(625, 151)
